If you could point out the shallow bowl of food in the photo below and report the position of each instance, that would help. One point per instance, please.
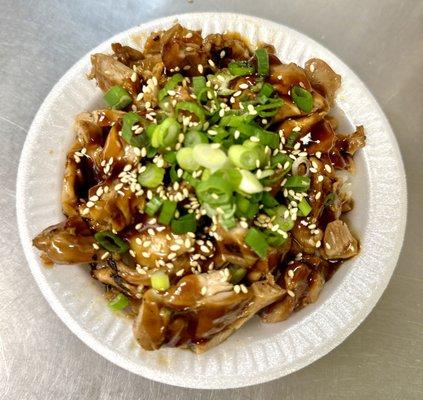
(371, 233)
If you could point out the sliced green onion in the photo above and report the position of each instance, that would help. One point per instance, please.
(186, 160)
(111, 242)
(270, 109)
(292, 138)
(166, 134)
(151, 151)
(173, 175)
(266, 90)
(119, 302)
(192, 108)
(297, 183)
(274, 239)
(260, 149)
(208, 156)
(185, 224)
(262, 62)
(160, 281)
(249, 183)
(245, 208)
(281, 159)
(302, 98)
(152, 176)
(187, 177)
(285, 223)
(214, 191)
(167, 212)
(269, 201)
(129, 120)
(153, 206)
(194, 137)
(257, 241)
(200, 88)
(117, 97)
(329, 199)
(237, 274)
(304, 208)
(268, 138)
(244, 157)
(170, 157)
(241, 68)
(170, 84)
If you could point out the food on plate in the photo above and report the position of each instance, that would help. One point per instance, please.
(210, 188)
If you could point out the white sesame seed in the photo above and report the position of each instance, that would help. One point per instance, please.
(96, 246)
(211, 63)
(328, 168)
(290, 293)
(254, 139)
(327, 245)
(318, 154)
(291, 273)
(203, 291)
(320, 178)
(134, 77)
(171, 256)
(237, 289)
(318, 244)
(243, 86)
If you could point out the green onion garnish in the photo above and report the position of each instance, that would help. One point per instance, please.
(170, 84)
(160, 281)
(184, 224)
(302, 98)
(117, 97)
(166, 133)
(249, 183)
(237, 274)
(274, 239)
(329, 199)
(119, 302)
(292, 138)
(152, 176)
(186, 159)
(208, 156)
(241, 68)
(153, 206)
(194, 137)
(266, 90)
(167, 212)
(262, 62)
(245, 208)
(304, 208)
(200, 88)
(285, 223)
(297, 183)
(192, 108)
(129, 120)
(257, 241)
(270, 109)
(243, 157)
(170, 157)
(214, 191)
(269, 201)
(111, 242)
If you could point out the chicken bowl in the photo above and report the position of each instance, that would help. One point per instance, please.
(212, 177)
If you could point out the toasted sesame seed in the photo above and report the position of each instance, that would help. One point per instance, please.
(96, 246)
(237, 289)
(145, 254)
(180, 272)
(290, 293)
(211, 63)
(328, 168)
(105, 255)
(291, 273)
(203, 291)
(318, 154)
(151, 231)
(171, 256)
(134, 77)
(318, 244)
(327, 245)
(138, 241)
(320, 178)
(243, 288)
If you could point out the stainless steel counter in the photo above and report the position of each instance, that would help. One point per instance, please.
(380, 40)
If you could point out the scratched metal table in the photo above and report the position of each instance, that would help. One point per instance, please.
(40, 40)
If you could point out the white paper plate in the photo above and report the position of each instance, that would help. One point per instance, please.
(258, 352)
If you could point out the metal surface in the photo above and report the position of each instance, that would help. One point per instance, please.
(381, 41)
